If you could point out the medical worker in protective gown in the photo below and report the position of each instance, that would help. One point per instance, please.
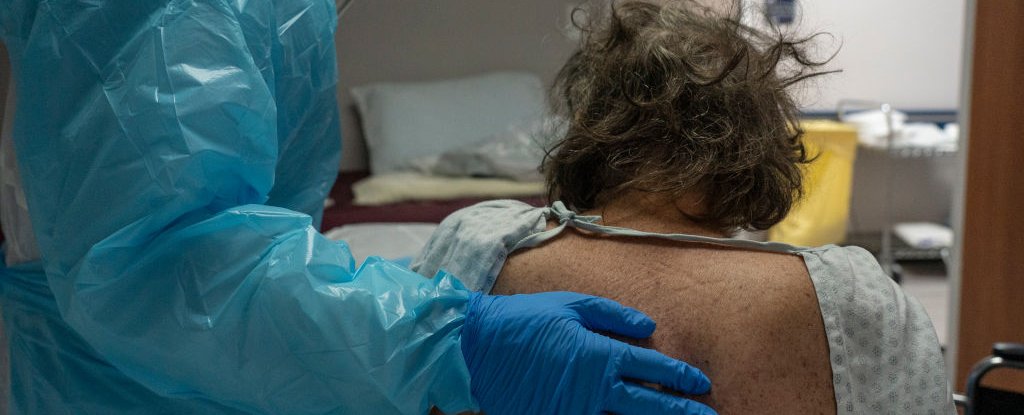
(163, 257)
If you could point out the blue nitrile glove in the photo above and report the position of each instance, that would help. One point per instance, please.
(536, 354)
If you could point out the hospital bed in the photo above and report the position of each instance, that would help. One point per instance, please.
(394, 231)
(435, 147)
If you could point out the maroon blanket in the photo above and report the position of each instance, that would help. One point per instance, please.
(344, 213)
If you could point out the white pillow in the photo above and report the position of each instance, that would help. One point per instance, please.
(515, 153)
(402, 121)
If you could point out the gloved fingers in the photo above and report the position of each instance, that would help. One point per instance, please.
(648, 365)
(630, 399)
(607, 315)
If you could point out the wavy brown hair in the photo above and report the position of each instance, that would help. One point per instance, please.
(679, 98)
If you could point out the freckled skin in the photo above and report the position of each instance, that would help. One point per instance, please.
(748, 319)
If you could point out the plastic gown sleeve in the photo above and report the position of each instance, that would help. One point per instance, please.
(153, 138)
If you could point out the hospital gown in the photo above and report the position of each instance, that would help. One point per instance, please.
(884, 353)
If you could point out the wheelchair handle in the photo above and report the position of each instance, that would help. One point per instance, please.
(1009, 351)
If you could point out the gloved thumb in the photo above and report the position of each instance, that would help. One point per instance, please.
(607, 315)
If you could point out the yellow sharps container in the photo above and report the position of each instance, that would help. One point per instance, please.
(821, 217)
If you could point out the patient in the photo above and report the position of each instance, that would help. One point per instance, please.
(682, 131)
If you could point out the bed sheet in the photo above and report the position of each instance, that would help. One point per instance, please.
(398, 242)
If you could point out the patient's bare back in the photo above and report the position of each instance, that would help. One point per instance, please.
(750, 320)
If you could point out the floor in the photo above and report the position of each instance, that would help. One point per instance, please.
(926, 281)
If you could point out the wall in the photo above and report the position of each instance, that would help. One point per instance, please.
(904, 52)
(402, 40)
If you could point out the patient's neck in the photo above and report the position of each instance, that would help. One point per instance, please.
(655, 213)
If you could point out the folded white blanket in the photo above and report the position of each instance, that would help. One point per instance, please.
(400, 187)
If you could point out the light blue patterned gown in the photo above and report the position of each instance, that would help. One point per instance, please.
(885, 356)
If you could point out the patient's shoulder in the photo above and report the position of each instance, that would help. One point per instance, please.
(851, 277)
(857, 295)
(494, 212)
(880, 337)
(495, 221)
(473, 241)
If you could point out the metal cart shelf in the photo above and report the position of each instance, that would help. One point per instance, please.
(892, 251)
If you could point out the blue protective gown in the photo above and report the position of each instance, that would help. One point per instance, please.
(175, 155)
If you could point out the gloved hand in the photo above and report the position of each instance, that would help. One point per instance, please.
(536, 354)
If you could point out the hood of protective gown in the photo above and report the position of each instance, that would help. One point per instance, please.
(175, 156)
